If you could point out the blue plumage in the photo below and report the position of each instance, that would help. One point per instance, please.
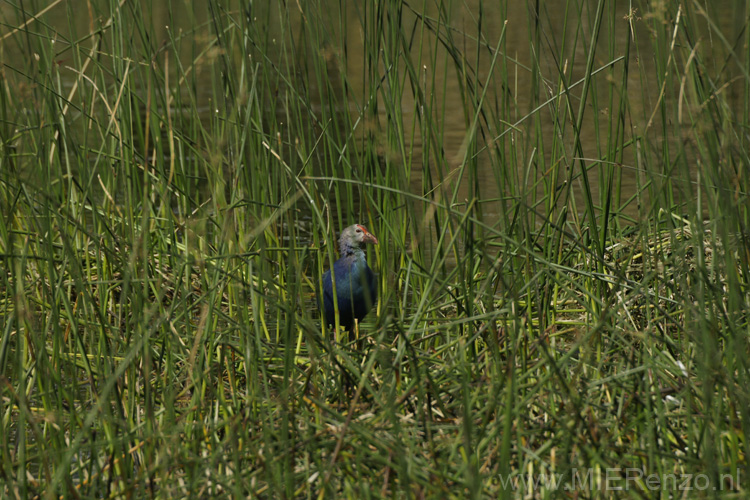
(356, 286)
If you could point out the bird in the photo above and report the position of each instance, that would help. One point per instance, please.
(356, 285)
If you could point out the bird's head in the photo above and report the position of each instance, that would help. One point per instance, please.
(355, 236)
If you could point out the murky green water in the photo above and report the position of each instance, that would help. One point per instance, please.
(475, 27)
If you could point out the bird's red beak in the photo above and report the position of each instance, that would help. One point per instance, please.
(368, 236)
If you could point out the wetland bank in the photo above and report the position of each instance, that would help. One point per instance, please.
(559, 192)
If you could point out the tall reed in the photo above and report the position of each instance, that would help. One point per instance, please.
(560, 196)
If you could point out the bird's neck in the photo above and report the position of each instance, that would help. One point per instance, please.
(352, 252)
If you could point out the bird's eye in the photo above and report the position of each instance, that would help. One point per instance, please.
(359, 230)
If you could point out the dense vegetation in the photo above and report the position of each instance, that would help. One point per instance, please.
(562, 208)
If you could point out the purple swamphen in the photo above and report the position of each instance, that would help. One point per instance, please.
(356, 286)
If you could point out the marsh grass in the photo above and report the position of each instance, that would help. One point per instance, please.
(170, 198)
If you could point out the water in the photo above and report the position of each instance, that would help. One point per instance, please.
(475, 27)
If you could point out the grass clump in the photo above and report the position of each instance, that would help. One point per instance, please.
(561, 201)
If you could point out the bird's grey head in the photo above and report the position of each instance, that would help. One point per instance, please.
(355, 237)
